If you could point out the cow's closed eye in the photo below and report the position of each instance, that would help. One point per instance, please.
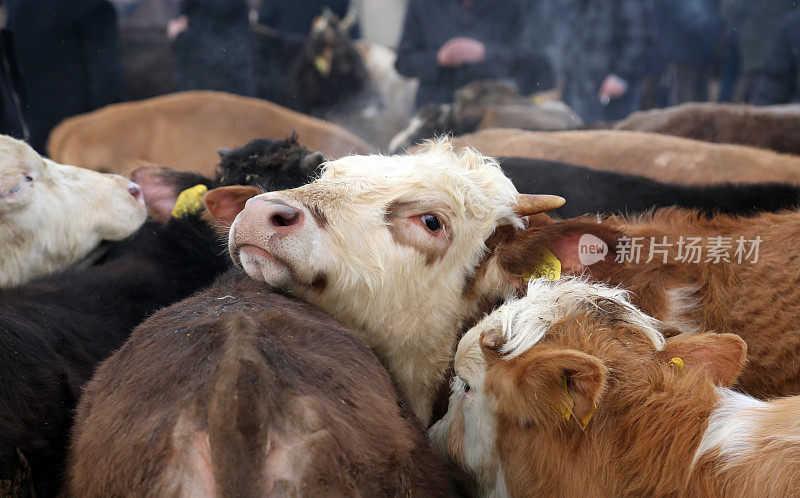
(27, 179)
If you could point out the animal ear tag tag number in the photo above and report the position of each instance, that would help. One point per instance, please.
(189, 201)
(545, 265)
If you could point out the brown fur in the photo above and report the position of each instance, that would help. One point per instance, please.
(240, 391)
(776, 128)
(184, 131)
(759, 302)
(642, 437)
(660, 157)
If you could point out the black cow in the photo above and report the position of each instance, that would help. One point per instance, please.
(329, 68)
(54, 331)
(591, 191)
(268, 163)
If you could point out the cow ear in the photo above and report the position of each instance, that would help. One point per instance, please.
(551, 386)
(721, 356)
(581, 246)
(161, 188)
(225, 203)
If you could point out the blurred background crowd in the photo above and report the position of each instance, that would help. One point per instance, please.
(603, 58)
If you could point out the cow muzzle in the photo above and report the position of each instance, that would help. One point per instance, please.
(269, 229)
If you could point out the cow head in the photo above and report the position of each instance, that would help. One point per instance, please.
(329, 67)
(269, 163)
(53, 215)
(537, 378)
(396, 247)
(329, 41)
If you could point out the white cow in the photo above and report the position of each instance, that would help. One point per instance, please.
(53, 216)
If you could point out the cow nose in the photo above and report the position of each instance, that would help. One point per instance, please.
(135, 190)
(283, 218)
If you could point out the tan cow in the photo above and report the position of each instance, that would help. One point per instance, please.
(660, 157)
(184, 131)
(572, 391)
(769, 127)
(390, 246)
(53, 215)
(410, 250)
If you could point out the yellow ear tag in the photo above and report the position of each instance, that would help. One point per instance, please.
(189, 201)
(565, 410)
(677, 363)
(322, 64)
(545, 265)
(585, 420)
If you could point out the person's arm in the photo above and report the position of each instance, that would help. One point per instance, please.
(415, 58)
(776, 84)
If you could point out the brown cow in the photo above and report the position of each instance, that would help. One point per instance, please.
(184, 131)
(660, 157)
(772, 127)
(571, 391)
(240, 391)
(723, 274)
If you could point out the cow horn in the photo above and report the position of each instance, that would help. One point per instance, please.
(327, 13)
(312, 160)
(222, 151)
(348, 20)
(528, 204)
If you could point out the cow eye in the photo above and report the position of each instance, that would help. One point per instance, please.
(466, 387)
(28, 178)
(431, 222)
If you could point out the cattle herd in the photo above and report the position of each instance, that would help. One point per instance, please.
(222, 297)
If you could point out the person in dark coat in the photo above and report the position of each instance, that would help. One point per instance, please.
(779, 82)
(214, 48)
(688, 32)
(604, 56)
(12, 92)
(450, 43)
(754, 24)
(69, 56)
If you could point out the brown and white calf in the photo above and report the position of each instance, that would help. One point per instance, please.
(53, 215)
(754, 294)
(572, 391)
(392, 247)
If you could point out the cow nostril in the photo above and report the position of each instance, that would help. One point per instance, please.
(134, 190)
(284, 219)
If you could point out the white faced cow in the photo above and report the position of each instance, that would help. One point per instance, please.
(52, 215)
(394, 247)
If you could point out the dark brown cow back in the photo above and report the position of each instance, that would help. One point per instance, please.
(243, 391)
